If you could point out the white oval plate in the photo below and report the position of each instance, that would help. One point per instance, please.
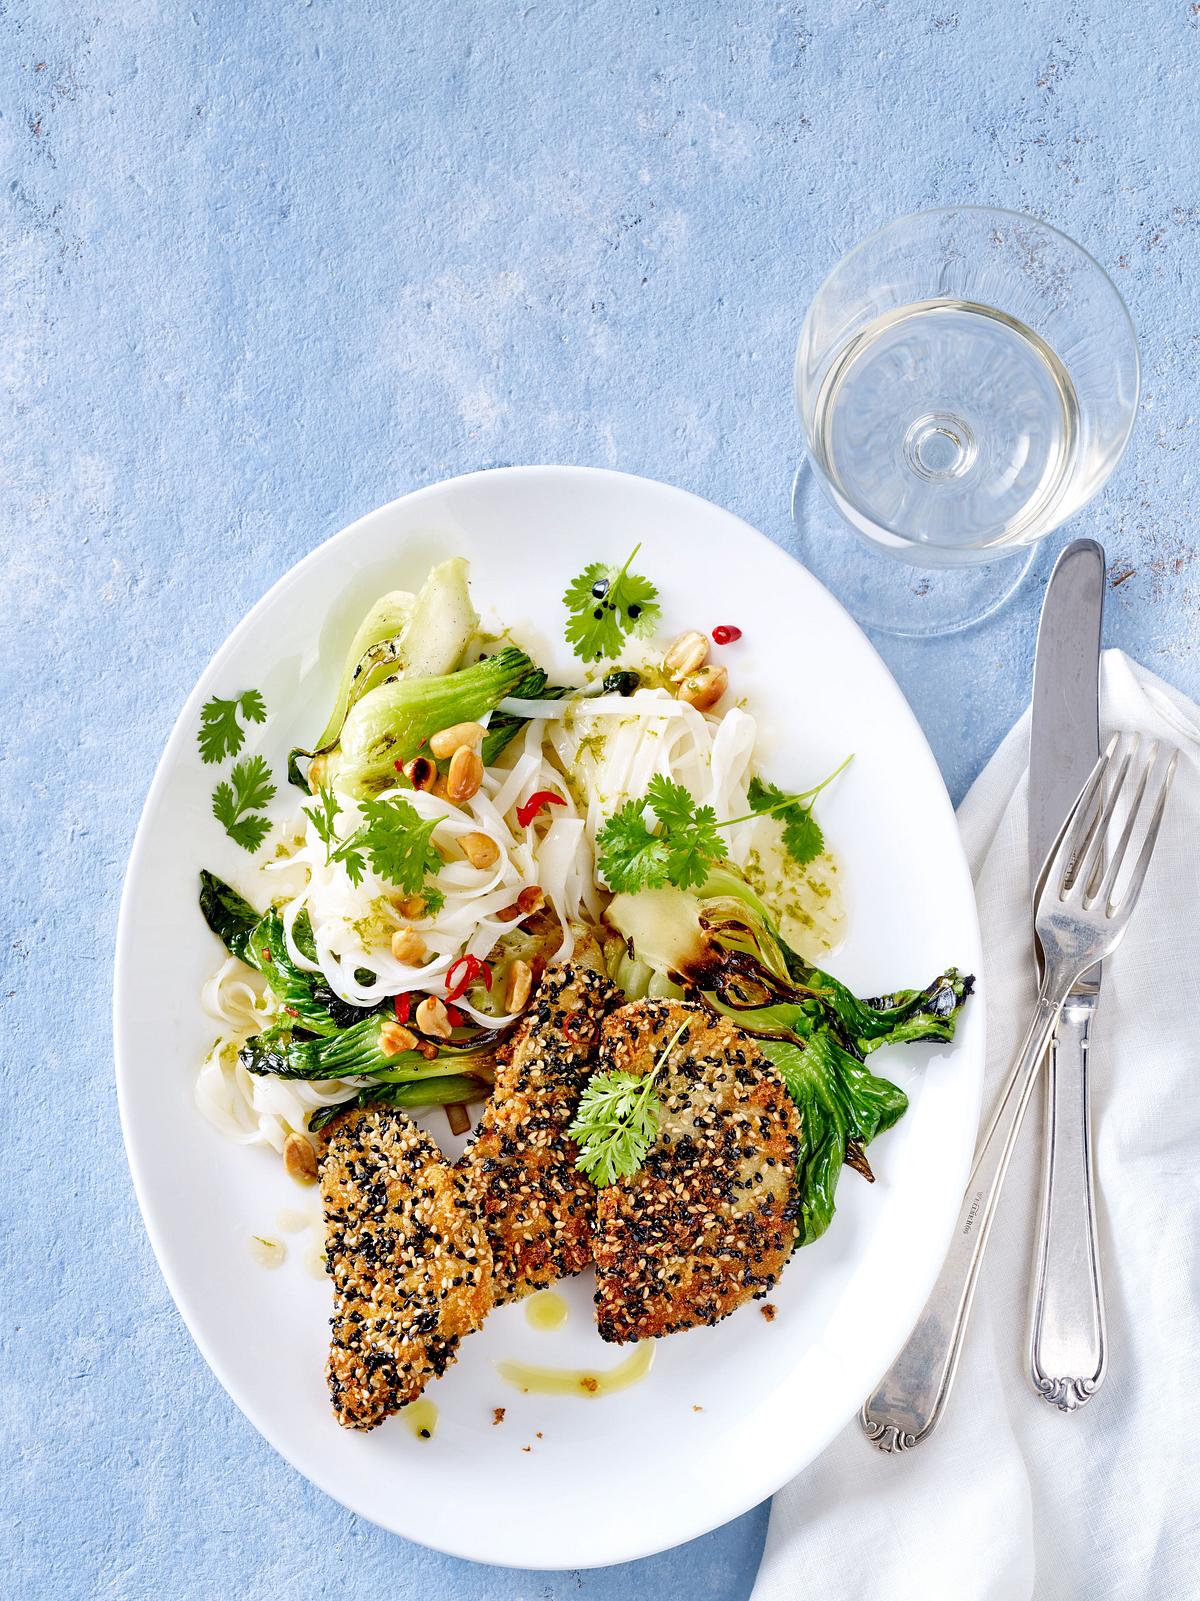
(728, 1414)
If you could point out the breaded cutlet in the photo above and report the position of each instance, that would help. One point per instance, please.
(709, 1219)
(519, 1168)
(409, 1259)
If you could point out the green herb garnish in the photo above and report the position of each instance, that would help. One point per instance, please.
(220, 733)
(682, 845)
(679, 849)
(393, 837)
(607, 604)
(324, 818)
(236, 803)
(802, 836)
(617, 1120)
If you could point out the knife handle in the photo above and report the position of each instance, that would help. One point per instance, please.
(1067, 1347)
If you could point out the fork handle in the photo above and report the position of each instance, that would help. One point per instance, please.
(909, 1399)
(1067, 1346)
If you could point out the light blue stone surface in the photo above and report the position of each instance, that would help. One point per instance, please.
(267, 265)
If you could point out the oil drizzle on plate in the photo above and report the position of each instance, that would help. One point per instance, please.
(267, 1252)
(546, 1310)
(422, 1419)
(580, 1381)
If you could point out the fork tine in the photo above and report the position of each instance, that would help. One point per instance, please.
(1089, 866)
(1105, 891)
(1055, 874)
(1129, 900)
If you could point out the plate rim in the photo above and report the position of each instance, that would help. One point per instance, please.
(183, 1299)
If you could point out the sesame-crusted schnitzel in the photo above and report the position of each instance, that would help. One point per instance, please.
(519, 1169)
(708, 1220)
(409, 1259)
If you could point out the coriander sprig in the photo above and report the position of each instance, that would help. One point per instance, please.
(221, 734)
(802, 836)
(617, 1119)
(683, 844)
(393, 836)
(237, 803)
(680, 848)
(607, 604)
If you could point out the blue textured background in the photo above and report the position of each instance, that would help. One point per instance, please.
(268, 265)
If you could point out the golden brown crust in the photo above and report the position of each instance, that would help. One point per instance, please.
(519, 1169)
(409, 1260)
(708, 1221)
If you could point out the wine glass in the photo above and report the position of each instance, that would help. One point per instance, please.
(967, 379)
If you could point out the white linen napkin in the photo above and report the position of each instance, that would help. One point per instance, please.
(1010, 1499)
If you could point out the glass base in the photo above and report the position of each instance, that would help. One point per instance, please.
(889, 596)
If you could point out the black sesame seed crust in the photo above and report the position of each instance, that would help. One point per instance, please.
(708, 1221)
(519, 1170)
(409, 1259)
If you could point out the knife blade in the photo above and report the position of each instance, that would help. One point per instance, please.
(1064, 738)
(1067, 1343)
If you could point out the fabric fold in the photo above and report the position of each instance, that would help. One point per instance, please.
(1011, 1500)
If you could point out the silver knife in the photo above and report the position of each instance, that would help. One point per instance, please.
(1067, 1350)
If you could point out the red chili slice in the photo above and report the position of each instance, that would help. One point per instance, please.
(454, 1017)
(473, 969)
(726, 633)
(403, 1005)
(530, 808)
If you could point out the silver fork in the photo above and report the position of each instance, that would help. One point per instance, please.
(1080, 920)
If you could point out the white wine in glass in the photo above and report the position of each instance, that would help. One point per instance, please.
(967, 379)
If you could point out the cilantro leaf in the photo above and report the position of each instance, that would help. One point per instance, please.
(616, 1121)
(399, 842)
(680, 850)
(673, 803)
(630, 855)
(236, 802)
(254, 707)
(690, 831)
(324, 818)
(606, 605)
(352, 859)
(220, 732)
(802, 836)
(614, 1126)
(393, 836)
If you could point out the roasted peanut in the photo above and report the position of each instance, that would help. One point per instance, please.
(480, 850)
(465, 775)
(531, 899)
(688, 652)
(432, 1018)
(703, 688)
(520, 982)
(448, 740)
(410, 906)
(394, 1038)
(408, 946)
(421, 772)
(299, 1159)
